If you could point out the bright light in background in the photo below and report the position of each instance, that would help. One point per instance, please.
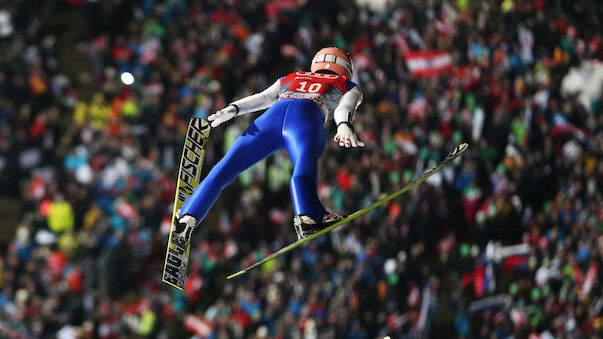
(387, 337)
(127, 78)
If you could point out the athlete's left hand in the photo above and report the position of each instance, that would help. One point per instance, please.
(346, 136)
(223, 115)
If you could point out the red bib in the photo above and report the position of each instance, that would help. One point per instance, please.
(307, 82)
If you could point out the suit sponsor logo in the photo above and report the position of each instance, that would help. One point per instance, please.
(317, 75)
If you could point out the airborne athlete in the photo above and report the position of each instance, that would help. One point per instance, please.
(299, 105)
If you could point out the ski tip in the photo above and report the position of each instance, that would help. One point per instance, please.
(236, 274)
(459, 149)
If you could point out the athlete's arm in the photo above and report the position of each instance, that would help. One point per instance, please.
(346, 109)
(252, 103)
(344, 115)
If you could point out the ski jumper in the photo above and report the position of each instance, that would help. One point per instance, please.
(300, 104)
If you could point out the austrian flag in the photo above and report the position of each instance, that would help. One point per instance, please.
(198, 325)
(428, 63)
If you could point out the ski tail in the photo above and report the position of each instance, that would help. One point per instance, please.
(189, 176)
(455, 153)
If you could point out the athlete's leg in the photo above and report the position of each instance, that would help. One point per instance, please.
(262, 138)
(305, 136)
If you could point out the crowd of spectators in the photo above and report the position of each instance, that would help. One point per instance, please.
(94, 161)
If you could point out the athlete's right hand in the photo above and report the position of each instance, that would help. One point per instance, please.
(346, 136)
(223, 115)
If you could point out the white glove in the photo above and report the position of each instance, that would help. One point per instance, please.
(223, 115)
(346, 136)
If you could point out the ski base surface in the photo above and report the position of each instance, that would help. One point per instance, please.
(456, 152)
(189, 176)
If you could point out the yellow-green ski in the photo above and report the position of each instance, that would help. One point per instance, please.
(189, 176)
(457, 151)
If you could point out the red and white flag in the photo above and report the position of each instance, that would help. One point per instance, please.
(519, 318)
(126, 209)
(443, 28)
(589, 281)
(414, 296)
(428, 63)
(400, 41)
(198, 325)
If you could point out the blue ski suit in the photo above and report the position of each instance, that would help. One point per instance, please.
(295, 122)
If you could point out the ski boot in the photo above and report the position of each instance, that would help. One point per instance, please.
(184, 226)
(305, 226)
